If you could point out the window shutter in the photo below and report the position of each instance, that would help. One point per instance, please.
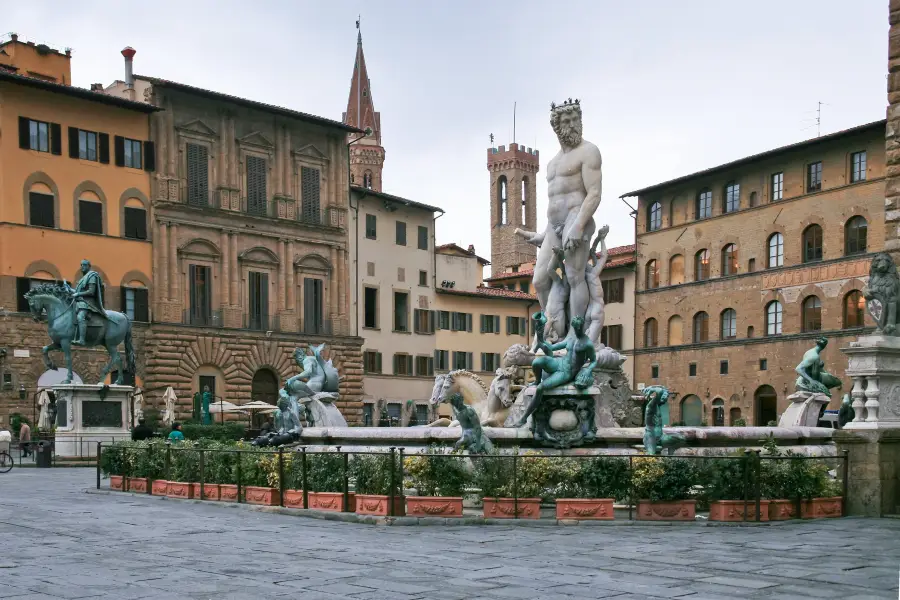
(309, 190)
(378, 362)
(198, 174)
(73, 142)
(119, 150)
(24, 133)
(123, 299)
(468, 322)
(55, 139)
(149, 156)
(409, 365)
(396, 361)
(482, 323)
(23, 285)
(103, 147)
(142, 305)
(469, 364)
(496, 323)
(431, 320)
(256, 185)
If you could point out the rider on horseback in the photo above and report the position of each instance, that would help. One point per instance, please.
(88, 297)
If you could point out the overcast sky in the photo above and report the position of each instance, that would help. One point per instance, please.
(667, 88)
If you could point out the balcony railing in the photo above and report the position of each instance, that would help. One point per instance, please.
(292, 210)
(211, 318)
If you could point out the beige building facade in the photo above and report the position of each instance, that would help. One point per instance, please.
(742, 266)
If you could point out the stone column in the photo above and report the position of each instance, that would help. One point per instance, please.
(225, 287)
(872, 392)
(174, 278)
(236, 276)
(291, 285)
(163, 243)
(342, 281)
(332, 286)
(858, 394)
(282, 274)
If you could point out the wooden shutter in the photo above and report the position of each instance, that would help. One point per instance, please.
(119, 150)
(73, 142)
(430, 363)
(192, 287)
(149, 156)
(378, 362)
(24, 133)
(496, 323)
(309, 190)
(431, 320)
(483, 362)
(198, 174)
(482, 323)
(55, 139)
(468, 322)
(396, 362)
(256, 185)
(141, 304)
(123, 299)
(103, 148)
(469, 363)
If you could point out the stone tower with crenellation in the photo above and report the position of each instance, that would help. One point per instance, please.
(513, 194)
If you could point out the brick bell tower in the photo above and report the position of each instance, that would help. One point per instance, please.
(366, 155)
(513, 194)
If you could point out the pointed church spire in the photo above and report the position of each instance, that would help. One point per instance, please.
(360, 107)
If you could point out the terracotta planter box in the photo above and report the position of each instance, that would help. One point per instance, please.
(333, 501)
(433, 506)
(293, 498)
(210, 491)
(228, 492)
(159, 487)
(261, 495)
(782, 510)
(821, 508)
(733, 510)
(678, 510)
(507, 508)
(374, 504)
(178, 489)
(585, 509)
(137, 485)
(115, 482)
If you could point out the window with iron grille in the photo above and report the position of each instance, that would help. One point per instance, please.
(313, 305)
(41, 210)
(814, 176)
(611, 336)
(197, 175)
(777, 186)
(613, 290)
(310, 190)
(200, 282)
(135, 223)
(371, 227)
(723, 367)
(858, 167)
(256, 186)
(692, 370)
(90, 217)
(654, 372)
(401, 311)
(370, 307)
(442, 360)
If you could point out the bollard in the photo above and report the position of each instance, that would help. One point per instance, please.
(303, 477)
(346, 499)
(393, 484)
(280, 476)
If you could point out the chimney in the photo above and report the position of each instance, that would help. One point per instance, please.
(96, 87)
(129, 53)
(471, 249)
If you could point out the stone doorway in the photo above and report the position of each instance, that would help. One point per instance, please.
(718, 413)
(765, 402)
(264, 388)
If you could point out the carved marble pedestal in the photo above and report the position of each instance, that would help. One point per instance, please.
(87, 414)
(565, 417)
(874, 366)
(804, 409)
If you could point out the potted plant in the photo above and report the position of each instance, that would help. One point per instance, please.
(259, 471)
(590, 487)
(184, 470)
(505, 497)
(821, 493)
(112, 465)
(138, 467)
(207, 451)
(440, 480)
(724, 487)
(224, 470)
(663, 488)
(325, 478)
(372, 474)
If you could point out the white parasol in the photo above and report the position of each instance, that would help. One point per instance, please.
(169, 399)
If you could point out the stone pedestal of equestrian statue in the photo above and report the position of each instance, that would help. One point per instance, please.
(87, 414)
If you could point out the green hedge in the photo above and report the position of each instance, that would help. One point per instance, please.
(225, 432)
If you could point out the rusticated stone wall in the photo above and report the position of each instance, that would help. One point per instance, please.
(174, 355)
(892, 142)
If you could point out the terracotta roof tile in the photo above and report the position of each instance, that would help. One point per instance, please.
(619, 256)
(489, 292)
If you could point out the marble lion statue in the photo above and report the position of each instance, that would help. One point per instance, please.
(884, 286)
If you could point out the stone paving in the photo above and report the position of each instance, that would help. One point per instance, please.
(56, 541)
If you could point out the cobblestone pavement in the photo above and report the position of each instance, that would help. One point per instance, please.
(56, 541)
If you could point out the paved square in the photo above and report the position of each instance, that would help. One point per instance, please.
(56, 541)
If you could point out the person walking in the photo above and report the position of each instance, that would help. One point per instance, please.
(176, 435)
(25, 439)
(142, 431)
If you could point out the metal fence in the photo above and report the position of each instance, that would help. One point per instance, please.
(291, 468)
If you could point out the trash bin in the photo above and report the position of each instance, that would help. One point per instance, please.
(43, 454)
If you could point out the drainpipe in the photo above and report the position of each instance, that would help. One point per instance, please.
(356, 258)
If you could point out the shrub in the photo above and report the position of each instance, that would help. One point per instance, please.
(723, 478)
(252, 467)
(742, 422)
(222, 432)
(185, 464)
(372, 473)
(112, 460)
(16, 420)
(663, 480)
(437, 473)
(324, 471)
(146, 459)
(600, 477)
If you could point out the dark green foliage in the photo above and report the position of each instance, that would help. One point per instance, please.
(372, 473)
(602, 477)
(16, 420)
(226, 432)
(723, 478)
(663, 480)
(324, 471)
(438, 475)
(112, 460)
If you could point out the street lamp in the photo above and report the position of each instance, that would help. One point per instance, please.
(21, 391)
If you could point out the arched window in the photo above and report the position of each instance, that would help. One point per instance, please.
(676, 331)
(718, 412)
(854, 310)
(502, 199)
(701, 327)
(703, 205)
(134, 220)
(524, 219)
(692, 411)
(855, 233)
(812, 314)
(652, 275)
(729, 324)
(367, 180)
(776, 251)
(650, 333)
(676, 269)
(701, 265)
(729, 260)
(773, 318)
(732, 200)
(136, 301)
(654, 217)
(812, 244)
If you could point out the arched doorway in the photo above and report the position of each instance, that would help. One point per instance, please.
(264, 388)
(718, 412)
(734, 415)
(692, 411)
(765, 404)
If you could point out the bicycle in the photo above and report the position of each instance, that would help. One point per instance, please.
(6, 462)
